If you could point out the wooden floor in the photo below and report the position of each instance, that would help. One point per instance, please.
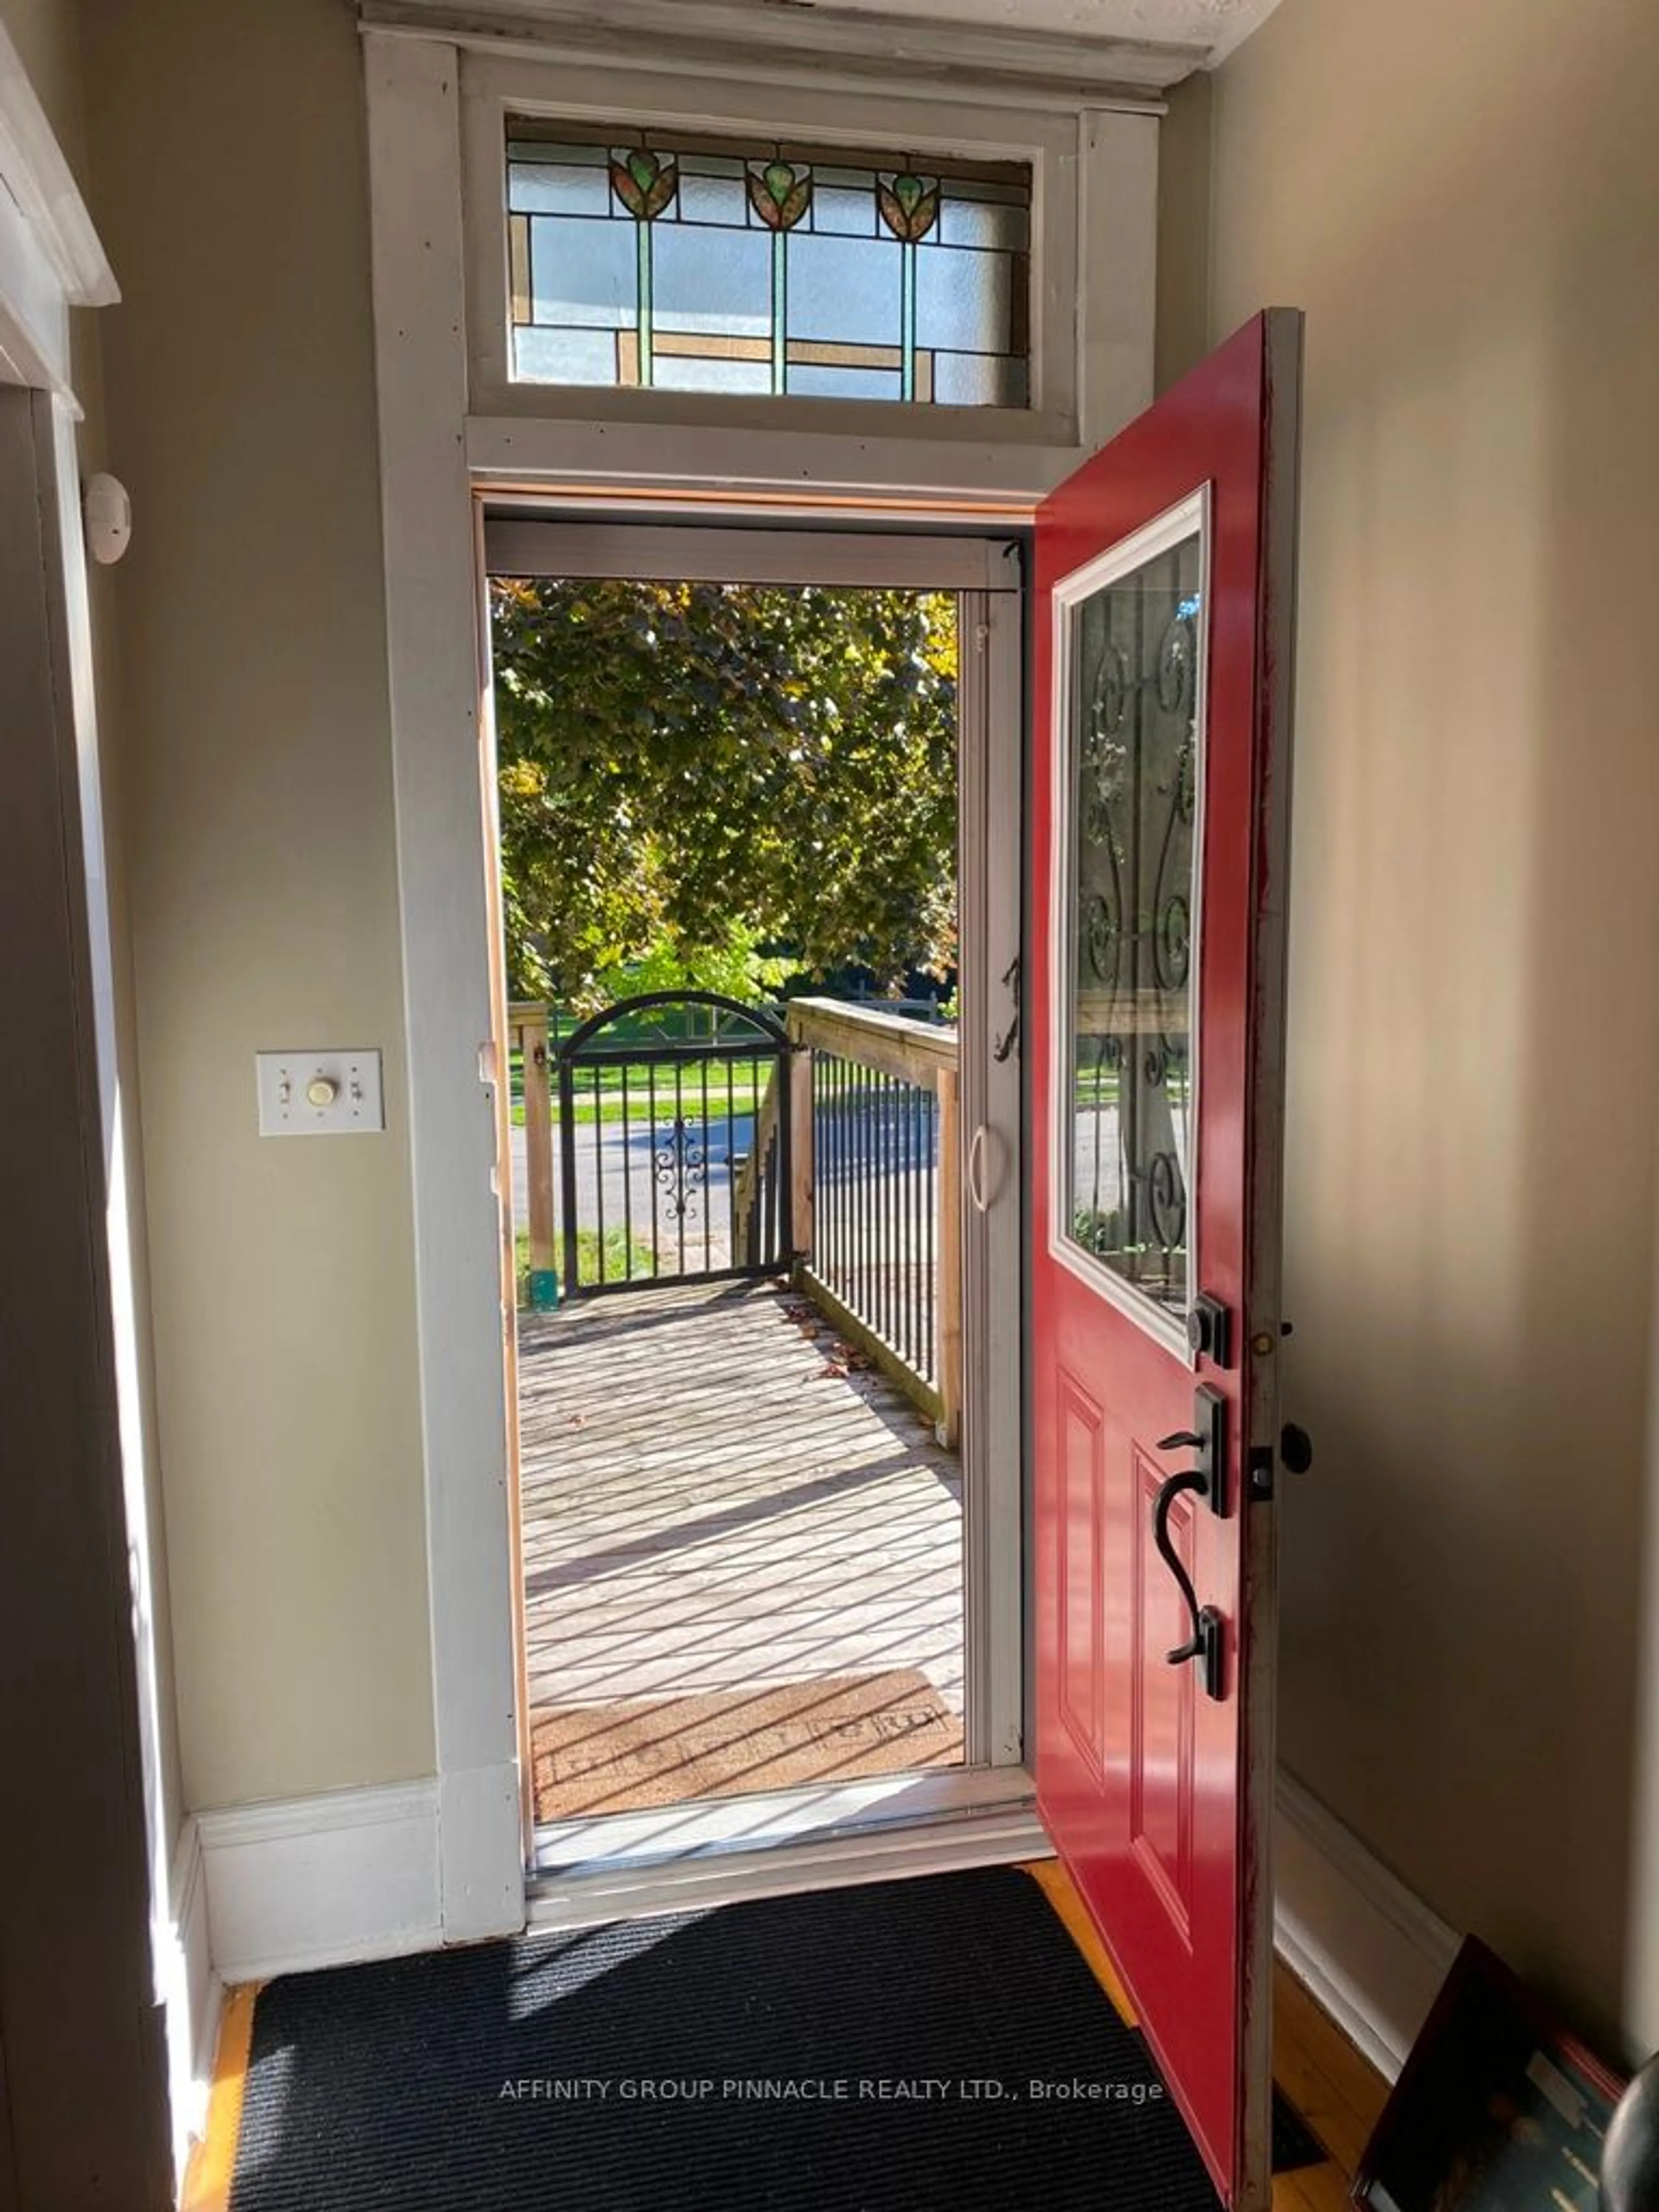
(711, 1501)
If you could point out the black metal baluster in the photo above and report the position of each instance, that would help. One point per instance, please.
(731, 1171)
(775, 1162)
(567, 1169)
(598, 1170)
(627, 1180)
(829, 1140)
(677, 1160)
(930, 1120)
(878, 1195)
(912, 1222)
(867, 1181)
(707, 1257)
(859, 1191)
(885, 1194)
(651, 1169)
(826, 1214)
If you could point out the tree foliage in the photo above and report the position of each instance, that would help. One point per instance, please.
(696, 772)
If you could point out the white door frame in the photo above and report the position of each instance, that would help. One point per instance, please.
(435, 463)
(984, 574)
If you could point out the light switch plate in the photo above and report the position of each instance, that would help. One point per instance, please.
(320, 1094)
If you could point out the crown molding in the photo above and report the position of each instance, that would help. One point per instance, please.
(1083, 71)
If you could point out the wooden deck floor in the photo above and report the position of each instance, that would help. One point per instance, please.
(713, 1501)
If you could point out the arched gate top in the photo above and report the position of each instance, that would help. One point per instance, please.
(761, 1027)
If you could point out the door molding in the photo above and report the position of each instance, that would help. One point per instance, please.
(438, 466)
(51, 259)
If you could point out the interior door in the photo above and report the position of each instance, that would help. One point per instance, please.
(1165, 581)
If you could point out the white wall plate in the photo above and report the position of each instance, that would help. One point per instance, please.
(330, 1093)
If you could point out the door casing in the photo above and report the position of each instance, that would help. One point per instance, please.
(985, 573)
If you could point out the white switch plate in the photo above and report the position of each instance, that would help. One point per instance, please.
(285, 1077)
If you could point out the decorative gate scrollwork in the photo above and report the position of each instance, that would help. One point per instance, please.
(673, 1142)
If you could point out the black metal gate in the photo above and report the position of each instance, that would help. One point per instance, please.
(673, 1139)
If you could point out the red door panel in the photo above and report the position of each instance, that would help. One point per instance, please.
(1159, 825)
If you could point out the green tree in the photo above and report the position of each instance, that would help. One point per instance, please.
(689, 772)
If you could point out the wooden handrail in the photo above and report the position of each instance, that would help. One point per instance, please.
(892, 1042)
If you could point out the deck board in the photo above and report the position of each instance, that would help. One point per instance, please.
(710, 1502)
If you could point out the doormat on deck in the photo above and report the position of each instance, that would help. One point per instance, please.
(657, 1751)
(908, 2046)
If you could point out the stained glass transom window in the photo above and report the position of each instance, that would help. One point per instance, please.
(697, 266)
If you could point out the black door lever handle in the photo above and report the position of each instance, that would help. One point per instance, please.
(1184, 1440)
(1205, 1642)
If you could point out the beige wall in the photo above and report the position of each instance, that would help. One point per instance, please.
(1464, 199)
(229, 184)
(47, 34)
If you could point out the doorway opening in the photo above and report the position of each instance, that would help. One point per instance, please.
(728, 784)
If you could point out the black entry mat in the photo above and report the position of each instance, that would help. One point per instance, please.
(914, 2044)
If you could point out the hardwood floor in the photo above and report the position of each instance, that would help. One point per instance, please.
(1338, 2093)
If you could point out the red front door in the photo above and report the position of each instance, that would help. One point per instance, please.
(1164, 577)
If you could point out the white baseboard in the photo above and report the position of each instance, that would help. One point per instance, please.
(1371, 1952)
(192, 1993)
(322, 1882)
(353, 1874)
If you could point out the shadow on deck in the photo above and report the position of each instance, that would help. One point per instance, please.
(741, 1554)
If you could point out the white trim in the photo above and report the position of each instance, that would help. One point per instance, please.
(323, 1881)
(992, 782)
(733, 104)
(438, 767)
(995, 1836)
(806, 1813)
(962, 58)
(192, 1993)
(516, 546)
(50, 256)
(944, 476)
(1371, 1952)
(1160, 535)
(1117, 271)
(39, 180)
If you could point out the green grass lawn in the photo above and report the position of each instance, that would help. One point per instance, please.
(607, 1108)
(587, 1258)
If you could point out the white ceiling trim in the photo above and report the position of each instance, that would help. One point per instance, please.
(925, 44)
(1209, 30)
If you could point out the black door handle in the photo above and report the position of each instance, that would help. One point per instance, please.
(1204, 1644)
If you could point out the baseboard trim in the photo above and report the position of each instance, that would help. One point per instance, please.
(353, 1874)
(1371, 1952)
(191, 1994)
(322, 1882)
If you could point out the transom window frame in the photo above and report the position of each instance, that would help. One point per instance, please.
(1088, 316)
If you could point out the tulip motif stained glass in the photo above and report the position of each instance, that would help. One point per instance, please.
(786, 270)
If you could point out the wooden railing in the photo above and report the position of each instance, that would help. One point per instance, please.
(875, 1161)
(527, 1033)
(873, 1206)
